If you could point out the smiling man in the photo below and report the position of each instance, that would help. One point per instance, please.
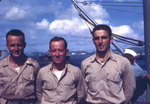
(60, 82)
(17, 72)
(108, 76)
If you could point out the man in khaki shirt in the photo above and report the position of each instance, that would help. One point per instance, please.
(17, 72)
(109, 77)
(60, 82)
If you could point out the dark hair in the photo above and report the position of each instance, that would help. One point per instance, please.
(102, 27)
(58, 39)
(129, 57)
(15, 32)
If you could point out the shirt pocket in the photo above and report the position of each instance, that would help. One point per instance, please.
(93, 81)
(4, 81)
(114, 82)
(49, 93)
(28, 83)
(47, 86)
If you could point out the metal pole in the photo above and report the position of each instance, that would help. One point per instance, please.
(146, 11)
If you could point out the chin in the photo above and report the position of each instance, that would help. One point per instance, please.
(16, 56)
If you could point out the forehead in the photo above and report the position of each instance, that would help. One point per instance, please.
(100, 33)
(59, 43)
(11, 38)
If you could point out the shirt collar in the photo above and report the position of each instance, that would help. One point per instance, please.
(110, 56)
(7, 62)
(65, 69)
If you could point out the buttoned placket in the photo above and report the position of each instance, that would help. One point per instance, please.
(58, 82)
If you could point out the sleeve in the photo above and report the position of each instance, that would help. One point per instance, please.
(129, 84)
(138, 71)
(83, 69)
(39, 89)
(81, 93)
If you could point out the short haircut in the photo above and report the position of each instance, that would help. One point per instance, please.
(15, 32)
(129, 57)
(54, 39)
(102, 27)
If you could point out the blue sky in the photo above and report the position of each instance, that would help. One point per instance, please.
(41, 20)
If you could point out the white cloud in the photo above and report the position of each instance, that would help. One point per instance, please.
(96, 11)
(15, 14)
(139, 25)
(43, 24)
(73, 26)
(125, 30)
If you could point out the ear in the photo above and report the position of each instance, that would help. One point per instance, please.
(111, 39)
(67, 51)
(24, 44)
(134, 60)
(7, 45)
(49, 51)
(93, 40)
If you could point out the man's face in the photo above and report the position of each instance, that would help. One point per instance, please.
(58, 52)
(15, 45)
(102, 40)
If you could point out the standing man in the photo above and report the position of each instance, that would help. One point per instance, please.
(17, 72)
(60, 82)
(141, 75)
(108, 76)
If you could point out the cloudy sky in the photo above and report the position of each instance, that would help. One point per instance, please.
(41, 20)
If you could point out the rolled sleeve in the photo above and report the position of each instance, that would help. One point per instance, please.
(39, 86)
(81, 93)
(129, 84)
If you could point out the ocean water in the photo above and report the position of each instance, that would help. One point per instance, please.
(78, 56)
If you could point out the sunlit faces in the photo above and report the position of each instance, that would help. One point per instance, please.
(102, 40)
(15, 45)
(58, 52)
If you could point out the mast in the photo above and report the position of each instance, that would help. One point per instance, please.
(86, 17)
(146, 5)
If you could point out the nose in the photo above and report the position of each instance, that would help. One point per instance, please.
(16, 47)
(100, 40)
(57, 53)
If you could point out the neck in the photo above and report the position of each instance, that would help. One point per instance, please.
(102, 56)
(58, 67)
(17, 62)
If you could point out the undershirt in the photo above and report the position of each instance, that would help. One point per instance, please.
(17, 69)
(58, 74)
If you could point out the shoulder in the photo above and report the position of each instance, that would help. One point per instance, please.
(88, 60)
(3, 54)
(45, 69)
(4, 61)
(73, 68)
(32, 61)
(74, 71)
(119, 58)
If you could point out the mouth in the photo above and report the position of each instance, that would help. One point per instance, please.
(101, 46)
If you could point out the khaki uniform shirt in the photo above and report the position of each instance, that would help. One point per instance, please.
(14, 85)
(68, 90)
(110, 83)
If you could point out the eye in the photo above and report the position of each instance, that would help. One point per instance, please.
(96, 38)
(19, 45)
(12, 45)
(104, 37)
(61, 50)
(53, 51)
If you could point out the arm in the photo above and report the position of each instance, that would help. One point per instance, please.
(39, 90)
(81, 93)
(129, 84)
